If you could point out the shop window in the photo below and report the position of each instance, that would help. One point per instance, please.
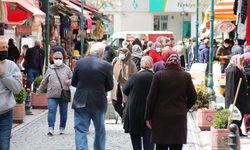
(160, 23)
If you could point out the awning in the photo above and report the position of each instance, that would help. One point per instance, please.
(25, 4)
(77, 8)
(223, 11)
(15, 16)
(93, 10)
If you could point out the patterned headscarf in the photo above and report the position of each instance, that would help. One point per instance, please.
(146, 63)
(237, 60)
(171, 58)
(247, 55)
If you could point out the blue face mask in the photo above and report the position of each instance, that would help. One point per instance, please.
(122, 56)
(162, 65)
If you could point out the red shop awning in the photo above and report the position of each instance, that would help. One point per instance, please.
(15, 16)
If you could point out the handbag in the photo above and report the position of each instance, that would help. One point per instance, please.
(236, 113)
(65, 94)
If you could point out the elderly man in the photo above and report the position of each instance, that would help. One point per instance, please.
(56, 48)
(180, 45)
(34, 63)
(109, 53)
(93, 79)
(10, 81)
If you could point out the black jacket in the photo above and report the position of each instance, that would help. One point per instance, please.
(137, 41)
(247, 70)
(137, 62)
(109, 54)
(29, 59)
(136, 88)
(92, 78)
(233, 75)
(13, 53)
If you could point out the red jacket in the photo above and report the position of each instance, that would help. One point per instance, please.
(248, 27)
(156, 56)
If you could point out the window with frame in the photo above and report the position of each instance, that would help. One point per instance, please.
(160, 23)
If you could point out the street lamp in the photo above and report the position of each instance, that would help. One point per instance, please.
(182, 22)
(210, 74)
(82, 37)
(47, 35)
(197, 32)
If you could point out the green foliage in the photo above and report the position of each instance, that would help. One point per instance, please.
(21, 96)
(203, 97)
(206, 80)
(221, 120)
(37, 83)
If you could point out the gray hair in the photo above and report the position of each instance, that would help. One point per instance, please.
(57, 54)
(150, 43)
(206, 41)
(180, 43)
(166, 48)
(97, 48)
(53, 42)
(179, 51)
(37, 41)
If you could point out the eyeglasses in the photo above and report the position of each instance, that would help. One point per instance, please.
(58, 58)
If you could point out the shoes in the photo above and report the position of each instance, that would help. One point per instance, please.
(51, 131)
(62, 130)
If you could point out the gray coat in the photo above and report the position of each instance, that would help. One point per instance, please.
(50, 79)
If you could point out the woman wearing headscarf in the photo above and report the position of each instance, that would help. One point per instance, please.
(155, 52)
(123, 68)
(168, 103)
(247, 70)
(234, 71)
(64, 73)
(137, 88)
(137, 54)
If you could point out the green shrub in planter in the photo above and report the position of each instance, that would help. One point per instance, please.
(221, 119)
(37, 83)
(21, 96)
(203, 97)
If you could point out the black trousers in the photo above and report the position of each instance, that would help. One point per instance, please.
(168, 146)
(119, 108)
(223, 67)
(137, 140)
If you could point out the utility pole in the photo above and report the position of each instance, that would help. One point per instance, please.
(197, 32)
(182, 22)
(82, 18)
(47, 35)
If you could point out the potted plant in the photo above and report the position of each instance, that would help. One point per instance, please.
(42, 101)
(205, 116)
(219, 132)
(19, 109)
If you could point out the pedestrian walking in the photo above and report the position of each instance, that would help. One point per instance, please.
(123, 68)
(137, 54)
(181, 46)
(159, 65)
(191, 52)
(224, 54)
(137, 88)
(10, 81)
(137, 42)
(92, 78)
(34, 63)
(168, 103)
(247, 70)
(22, 56)
(236, 49)
(109, 53)
(57, 77)
(155, 52)
(234, 71)
(13, 53)
(56, 48)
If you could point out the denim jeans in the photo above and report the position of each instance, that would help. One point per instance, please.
(82, 122)
(63, 106)
(31, 75)
(6, 120)
(137, 140)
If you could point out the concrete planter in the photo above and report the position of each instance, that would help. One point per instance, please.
(205, 118)
(41, 102)
(19, 112)
(219, 139)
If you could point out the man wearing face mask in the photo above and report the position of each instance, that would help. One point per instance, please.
(10, 81)
(109, 53)
(34, 63)
(224, 54)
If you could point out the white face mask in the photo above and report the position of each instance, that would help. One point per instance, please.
(125, 46)
(226, 45)
(58, 62)
(24, 51)
(158, 49)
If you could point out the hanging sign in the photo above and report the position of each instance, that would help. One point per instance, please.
(35, 28)
(226, 27)
(23, 30)
(208, 25)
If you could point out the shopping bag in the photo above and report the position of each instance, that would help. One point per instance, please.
(236, 113)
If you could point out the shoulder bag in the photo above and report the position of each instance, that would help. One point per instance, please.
(65, 94)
